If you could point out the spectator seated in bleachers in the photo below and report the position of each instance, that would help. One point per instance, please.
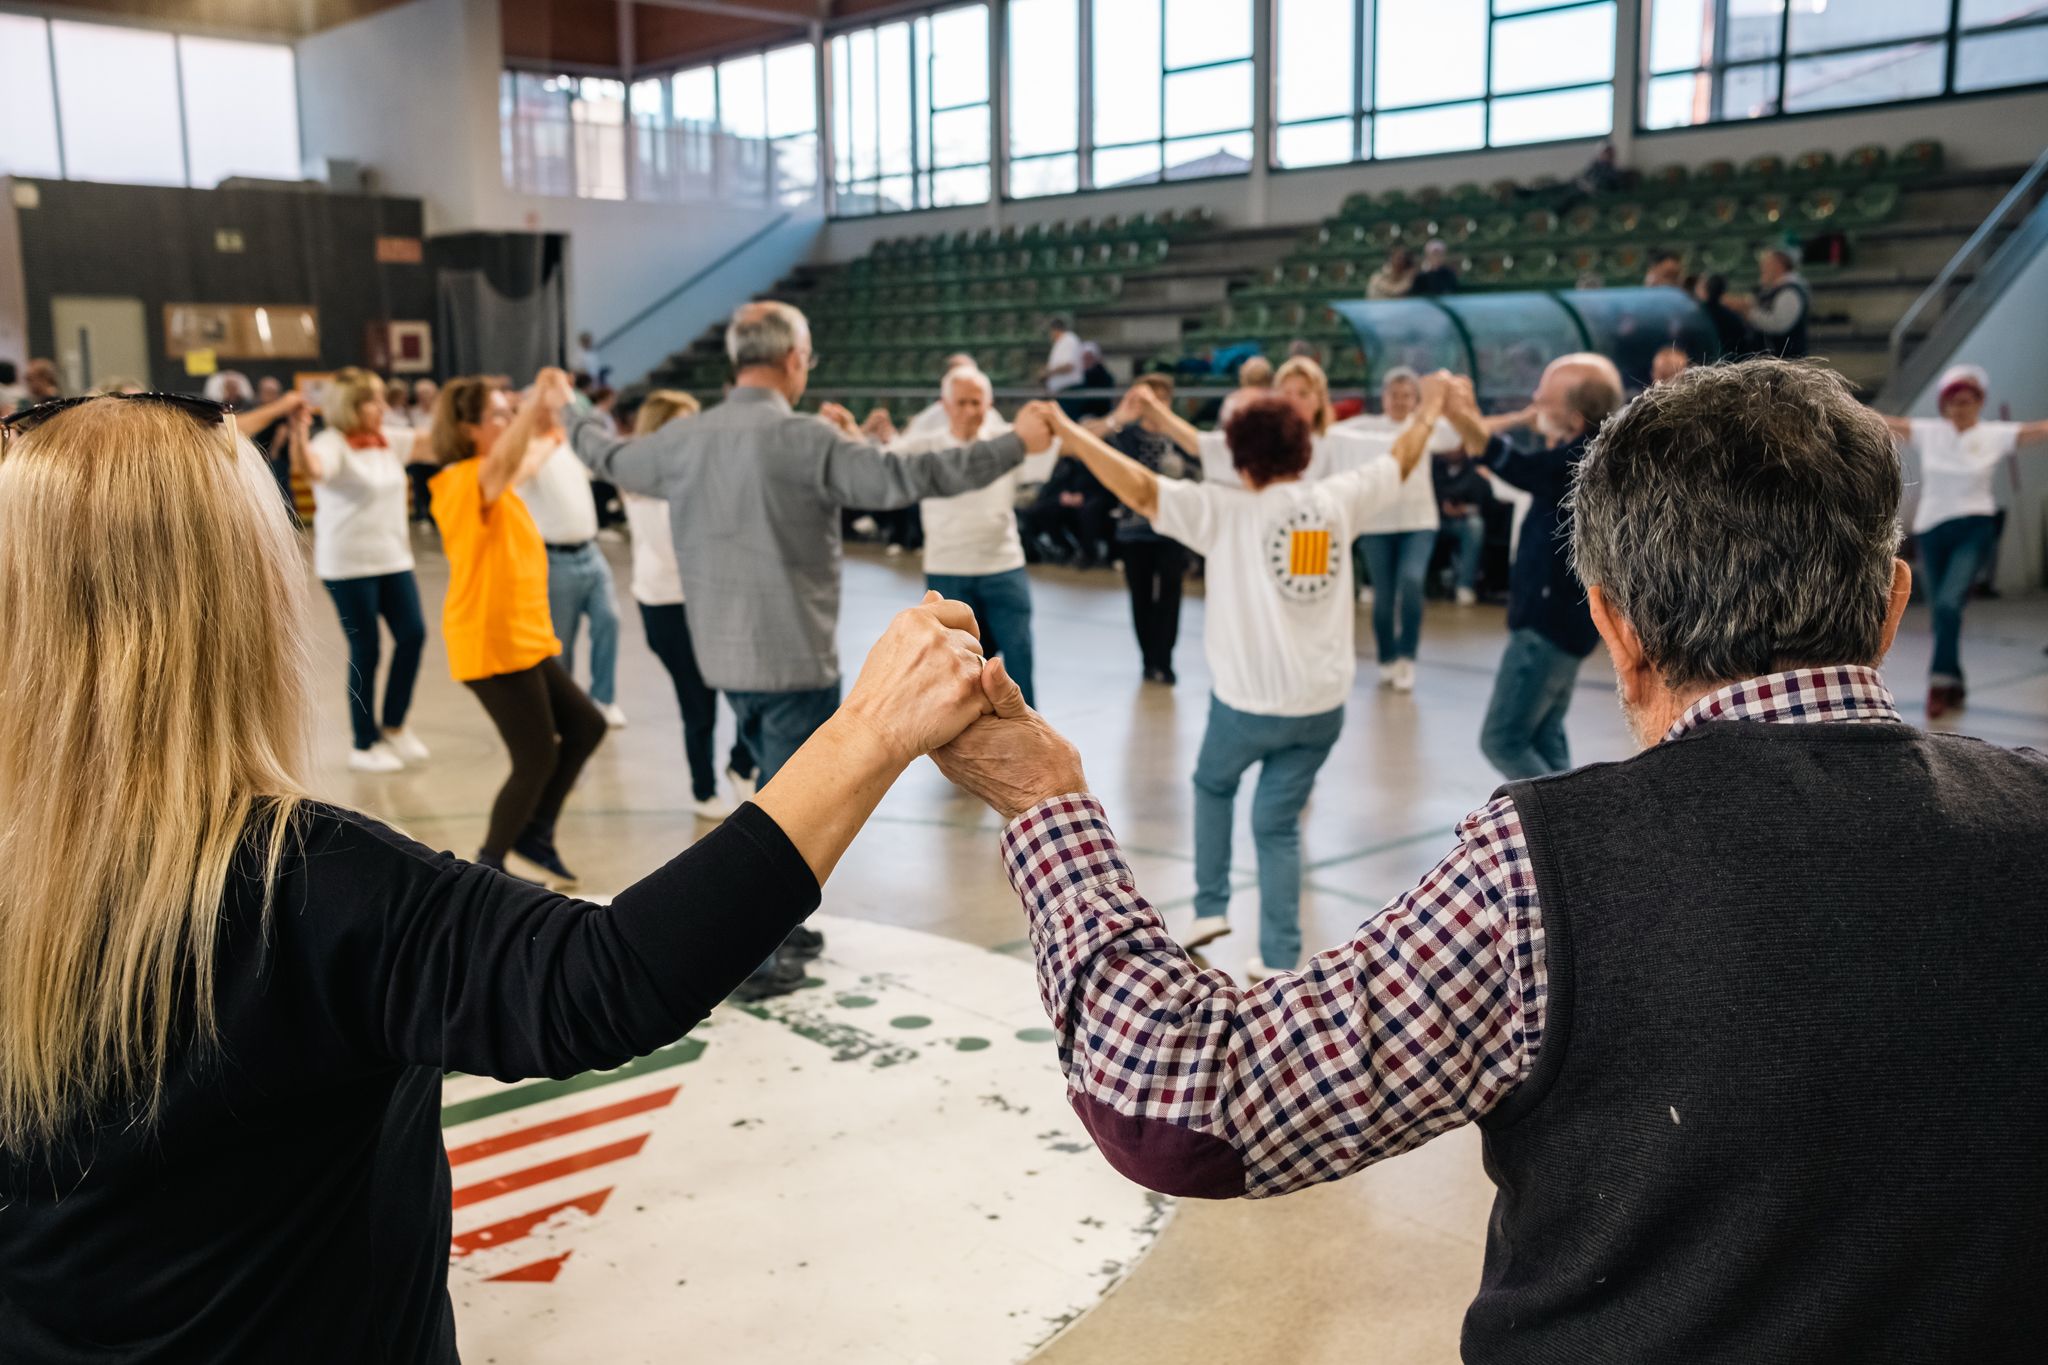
(1463, 494)
(1394, 279)
(1777, 312)
(1666, 268)
(1069, 522)
(1437, 275)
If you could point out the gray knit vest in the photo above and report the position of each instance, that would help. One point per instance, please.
(1791, 1099)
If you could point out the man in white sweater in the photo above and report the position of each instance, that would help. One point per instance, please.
(972, 552)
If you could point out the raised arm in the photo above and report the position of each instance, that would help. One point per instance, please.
(1411, 446)
(2031, 433)
(1900, 427)
(1158, 415)
(1461, 409)
(255, 419)
(1135, 486)
(513, 456)
(854, 472)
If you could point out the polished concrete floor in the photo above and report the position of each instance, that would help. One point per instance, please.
(1377, 1268)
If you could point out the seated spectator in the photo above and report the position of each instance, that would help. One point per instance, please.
(1069, 522)
(1603, 174)
(40, 378)
(1669, 363)
(1395, 279)
(1437, 275)
(1666, 270)
(1777, 314)
(1729, 328)
(1744, 1020)
(1094, 375)
(1463, 494)
(1063, 364)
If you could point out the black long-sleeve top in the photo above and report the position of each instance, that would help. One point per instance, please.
(1544, 595)
(291, 1204)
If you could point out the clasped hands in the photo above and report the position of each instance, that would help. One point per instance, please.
(926, 688)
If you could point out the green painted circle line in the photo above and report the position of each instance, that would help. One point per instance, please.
(910, 1021)
(1034, 1035)
(855, 1002)
(969, 1044)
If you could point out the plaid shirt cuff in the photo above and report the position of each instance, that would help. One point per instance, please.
(1060, 847)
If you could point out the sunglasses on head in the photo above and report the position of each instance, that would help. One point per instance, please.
(204, 411)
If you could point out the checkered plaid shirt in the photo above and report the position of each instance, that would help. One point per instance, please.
(1429, 1017)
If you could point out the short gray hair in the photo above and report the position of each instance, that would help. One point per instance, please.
(764, 334)
(967, 374)
(1742, 518)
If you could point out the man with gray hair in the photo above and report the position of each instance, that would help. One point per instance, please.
(1751, 1023)
(754, 491)
(1550, 632)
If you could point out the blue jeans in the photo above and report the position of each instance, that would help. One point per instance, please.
(1002, 608)
(774, 725)
(1952, 552)
(579, 585)
(1397, 562)
(1468, 534)
(1524, 731)
(359, 602)
(1289, 750)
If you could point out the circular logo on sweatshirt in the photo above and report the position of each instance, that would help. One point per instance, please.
(1301, 554)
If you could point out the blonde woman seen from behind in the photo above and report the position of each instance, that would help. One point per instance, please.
(658, 591)
(225, 1008)
(362, 551)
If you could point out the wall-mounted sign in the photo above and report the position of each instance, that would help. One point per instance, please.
(400, 251)
(400, 347)
(243, 331)
(27, 194)
(227, 240)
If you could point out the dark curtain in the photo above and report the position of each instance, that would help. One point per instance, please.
(500, 302)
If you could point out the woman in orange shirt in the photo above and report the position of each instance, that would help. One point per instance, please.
(501, 644)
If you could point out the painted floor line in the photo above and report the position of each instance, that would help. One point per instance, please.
(562, 1127)
(550, 1170)
(538, 1092)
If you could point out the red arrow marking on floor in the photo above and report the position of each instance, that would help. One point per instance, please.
(540, 1272)
(512, 1229)
(541, 1132)
(552, 1170)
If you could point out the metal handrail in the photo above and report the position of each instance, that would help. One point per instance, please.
(1965, 258)
(700, 277)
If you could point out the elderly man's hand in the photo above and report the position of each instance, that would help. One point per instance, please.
(921, 684)
(1035, 426)
(839, 419)
(1012, 759)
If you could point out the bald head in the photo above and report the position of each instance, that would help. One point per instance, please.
(1578, 392)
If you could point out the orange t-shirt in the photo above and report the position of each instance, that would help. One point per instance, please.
(495, 618)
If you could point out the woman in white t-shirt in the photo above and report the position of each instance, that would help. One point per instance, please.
(1278, 633)
(658, 590)
(362, 551)
(1955, 525)
(1397, 542)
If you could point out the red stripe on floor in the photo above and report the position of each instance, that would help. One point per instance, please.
(512, 1229)
(551, 1170)
(574, 1123)
(540, 1272)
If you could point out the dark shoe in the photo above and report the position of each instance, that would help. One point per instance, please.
(803, 944)
(780, 975)
(540, 853)
(498, 865)
(1163, 676)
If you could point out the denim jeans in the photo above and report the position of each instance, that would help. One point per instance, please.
(774, 725)
(1002, 608)
(1524, 731)
(579, 585)
(1289, 750)
(360, 602)
(1952, 552)
(1397, 561)
(1468, 534)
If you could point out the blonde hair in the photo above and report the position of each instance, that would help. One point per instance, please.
(346, 394)
(1306, 368)
(463, 401)
(154, 732)
(663, 406)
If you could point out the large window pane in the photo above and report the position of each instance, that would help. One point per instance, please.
(892, 51)
(1553, 117)
(1678, 101)
(28, 106)
(960, 56)
(1544, 51)
(1993, 60)
(1126, 165)
(1749, 91)
(1045, 79)
(241, 110)
(1127, 56)
(695, 96)
(1979, 13)
(792, 91)
(1314, 144)
(1212, 99)
(861, 103)
(1045, 175)
(960, 137)
(1202, 31)
(117, 92)
(1429, 51)
(1314, 56)
(1818, 27)
(1194, 157)
(743, 97)
(1897, 73)
(1754, 29)
(644, 102)
(1681, 35)
(965, 186)
(1456, 128)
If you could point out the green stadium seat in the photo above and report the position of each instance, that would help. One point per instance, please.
(1458, 228)
(1626, 219)
(1625, 264)
(1714, 175)
(1765, 169)
(1866, 162)
(1813, 167)
(1722, 212)
(1770, 210)
(1534, 267)
(1496, 227)
(1536, 225)
(1384, 234)
(1341, 277)
(1872, 203)
(1429, 198)
(1581, 260)
(1821, 207)
(1468, 196)
(1503, 193)
(1491, 269)
(1725, 256)
(1669, 215)
(1666, 181)
(1918, 158)
(1393, 204)
(1418, 231)
(1581, 221)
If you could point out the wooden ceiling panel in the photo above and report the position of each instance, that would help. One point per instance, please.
(282, 18)
(573, 32)
(664, 36)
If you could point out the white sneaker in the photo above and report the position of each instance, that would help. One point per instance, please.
(864, 525)
(1467, 597)
(1205, 929)
(613, 716)
(378, 758)
(1256, 971)
(406, 745)
(742, 787)
(1365, 597)
(1387, 674)
(893, 550)
(713, 807)
(1404, 675)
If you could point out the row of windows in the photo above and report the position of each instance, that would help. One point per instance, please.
(96, 102)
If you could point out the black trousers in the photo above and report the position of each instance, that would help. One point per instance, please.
(1154, 570)
(668, 635)
(551, 728)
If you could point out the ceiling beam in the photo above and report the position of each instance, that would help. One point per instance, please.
(731, 10)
